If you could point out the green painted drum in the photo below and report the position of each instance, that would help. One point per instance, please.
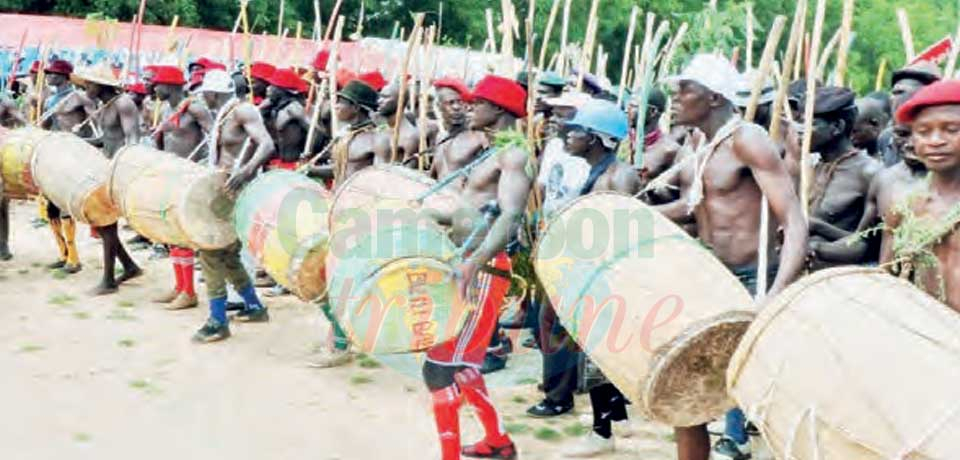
(653, 308)
(281, 218)
(394, 291)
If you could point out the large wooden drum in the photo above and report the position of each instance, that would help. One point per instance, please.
(394, 291)
(281, 218)
(16, 155)
(72, 174)
(127, 166)
(852, 363)
(360, 200)
(657, 312)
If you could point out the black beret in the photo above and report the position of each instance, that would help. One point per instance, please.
(831, 99)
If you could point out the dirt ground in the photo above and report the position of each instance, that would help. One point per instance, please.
(117, 377)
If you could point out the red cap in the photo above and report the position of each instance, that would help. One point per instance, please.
(167, 75)
(262, 70)
(59, 66)
(455, 84)
(210, 64)
(321, 60)
(289, 80)
(196, 79)
(35, 67)
(137, 88)
(345, 76)
(503, 92)
(943, 92)
(374, 79)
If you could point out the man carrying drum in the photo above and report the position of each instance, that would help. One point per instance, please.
(186, 123)
(459, 145)
(237, 130)
(721, 190)
(408, 140)
(923, 240)
(497, 186)
(353, 149)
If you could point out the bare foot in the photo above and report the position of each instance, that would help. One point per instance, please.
(129, 275)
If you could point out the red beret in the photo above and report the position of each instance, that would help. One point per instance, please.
(503, 92)
(196, 78)
(289, 80)
(455, 84)
(321, 60)
(59, 66)
(943, 92)
(137, 88)
(345, 76)
(374, 79)
(167, 75)
(35, 67)
(210, 64)
(262, 70)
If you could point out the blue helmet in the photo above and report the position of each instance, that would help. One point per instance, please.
(602, 117)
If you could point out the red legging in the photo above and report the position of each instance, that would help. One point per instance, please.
(182, 259)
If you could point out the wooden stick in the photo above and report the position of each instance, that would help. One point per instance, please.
(491, 34)
(846, 27)
(41, 79)
(826, 53)
(8, 82)
(296, 50)
(317, 21)
(246, 46)
(334, 65)
(140, 12)
(280, 17)
(563, 39)
(440, 23)
(626, 53)
(880, 74)
(548, 32)
(334, 16)
(672, 50)
(750, 36)
(424, 84)
(906, 34)
(645, 48)
(401, 98)
(506, 42)
(171, 37)
(645, 87)
(811, 96)
(587, 52)
(766, 61)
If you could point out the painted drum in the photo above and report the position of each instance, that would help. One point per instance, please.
(654, 309)
(281, 218)
(851, 363)
(72, 174)
(16, 158)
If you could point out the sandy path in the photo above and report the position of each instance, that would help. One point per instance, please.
(116, 377)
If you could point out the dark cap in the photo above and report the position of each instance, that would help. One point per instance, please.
(925, 72)
(360, 94)
(832, 99)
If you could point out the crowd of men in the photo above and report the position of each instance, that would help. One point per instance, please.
(887, 162)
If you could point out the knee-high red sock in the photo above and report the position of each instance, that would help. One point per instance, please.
(475, 392)
(186, 271)
(177, 272)
(446, 412)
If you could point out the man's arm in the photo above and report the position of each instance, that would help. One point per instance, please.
(252, 123)
(757, 151)
(129, 123)
(626, 180)
(513, 190)
(203, 116)
(853, 249)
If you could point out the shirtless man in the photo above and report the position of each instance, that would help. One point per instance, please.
(500, 185)
(118, 118)
(459, 145)
(873, 116)
(237, 126)
(185, 125)
(842, 175)
(63, 110)
(408, 143)
(934, 116)
(905, 83)
(353, 149)
(888, 188)
(288, 118)
(260, 73)
(740, 164)
(660, 151)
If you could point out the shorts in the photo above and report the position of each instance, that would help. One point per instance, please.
(277, 163)
(748, 276)
(488, 293)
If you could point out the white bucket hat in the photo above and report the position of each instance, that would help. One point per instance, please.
(217, 81)
(745, 86)
(713, 72)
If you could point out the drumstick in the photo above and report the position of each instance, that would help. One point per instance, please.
(811, 97)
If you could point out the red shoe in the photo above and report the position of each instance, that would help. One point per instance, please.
(484, 450)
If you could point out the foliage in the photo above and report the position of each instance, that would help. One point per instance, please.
(464, 22)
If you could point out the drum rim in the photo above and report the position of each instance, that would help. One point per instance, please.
(319, 244)
(378, 168)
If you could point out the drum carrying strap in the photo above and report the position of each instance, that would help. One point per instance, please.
(596, 171)
(465, 170)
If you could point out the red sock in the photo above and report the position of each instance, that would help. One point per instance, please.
(446, 412)
(177, 273)
(475, 392)
(186, 272)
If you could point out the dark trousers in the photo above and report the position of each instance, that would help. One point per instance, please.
(609, 405)
(560, 357)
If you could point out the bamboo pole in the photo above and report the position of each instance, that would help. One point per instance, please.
(280, 17)
(334, 17)
(491, 31)
(547, 33)
(424, 84)
(880, 74)
(672, 50)
(440, 23)
(296, 50)
(650, 61)
(826, 53)
(811, 96)
(506, 41)
(846, 27)
(586, 54)
(334, 64)
(245, 20)
(317, 21)
(750, 36)
(906, 34)
(564, 31)
(12, 75)
(626, 53)
(645, 48)
(139, 27)
(401, 98)
(41, 80)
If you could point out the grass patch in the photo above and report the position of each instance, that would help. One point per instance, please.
(527, 381)
(82, 437)
(360, 380)
(144, 385)
(368, 363)
(517, 428)
(576, 430)
(61, 299)
(519, 399)
(126, 343)
(59, 274)
(547, 434)
(23, 271)
(31, 348)
(126, 304)
(120, 315)
(81, 315)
